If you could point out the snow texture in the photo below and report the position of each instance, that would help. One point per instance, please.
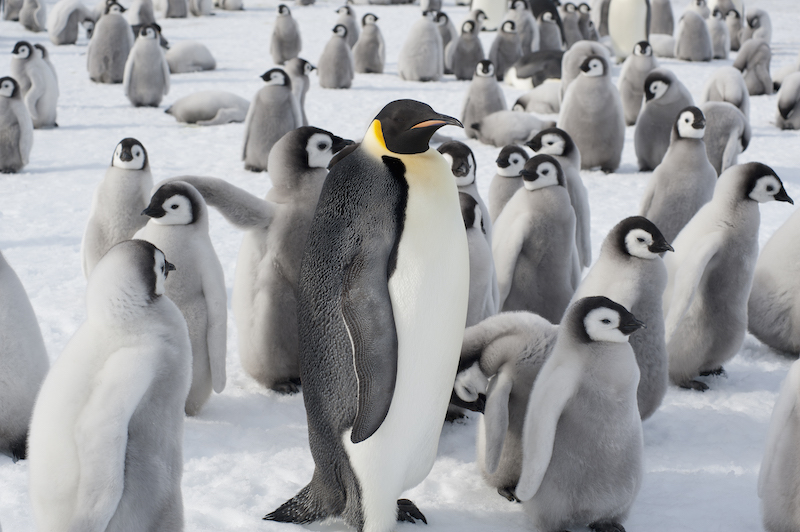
(247, 451)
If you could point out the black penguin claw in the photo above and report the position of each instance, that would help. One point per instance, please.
(287, 387)
(408, 511)
(607, 526)
(716, 372)
(694, 385)
(509, 494)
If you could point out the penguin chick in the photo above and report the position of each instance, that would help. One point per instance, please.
(534, 69)
(23, 362)
(772, 314)
(630, 270)
(109, 47)
(508, 178)
(693, 41)
(727, 134)
(631, 79)
(544, 99)
(788, 99)
(369, 52)
(179, 226)
(558, 144)
(720, 38)
(527, 28)
(209, 108)
(550, 37)
(759, 26)
(336, 68)
(726, 84)
(482, 281)
(276, 227)
(117, 203)
(422, 55)
(591, 113)
(684, 180)
(448, 32)
(582, 438)
(570, 21)
(753, 62)
(509, 127)
(286, 42)
(506, 48)
(588, 29)
(146, 77)
(33, 15)
(64, 20)
(699, 7)
(106, 438)
(711, 272)
(573, 60)
(347, 18)
(463, 53)
(662, 19)
(189, 56)
(484, 97)
(534, 243)
(17, 126)
(733, 20)
(298, 70)
(37, 83)
(273, 112)
(664, 96)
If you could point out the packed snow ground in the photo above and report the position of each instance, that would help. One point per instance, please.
(247, 451)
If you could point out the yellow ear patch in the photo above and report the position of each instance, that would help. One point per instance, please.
(377, 132)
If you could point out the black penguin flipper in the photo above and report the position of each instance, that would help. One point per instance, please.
(301, 509)
(407, 511)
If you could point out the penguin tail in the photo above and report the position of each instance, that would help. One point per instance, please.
(303, 508)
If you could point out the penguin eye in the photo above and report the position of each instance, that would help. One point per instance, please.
(545, 171)
(640, 239)
(173, 206)
(770, 188)
(606, 321)
(322, 146)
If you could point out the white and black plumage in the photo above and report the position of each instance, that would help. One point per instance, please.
(733, 20)
(146, 77)
(464, 52)
(506, 49)
(482, 282)
(347, 18)
(570, 19)
(507, 179)
(711, 272)
(586, 24)
(535, 68)
(543, 99)
(508, 127)
(631, 79)
(38, 84)
(369, 52)
(484, 97)
(753, 61)
(572, 61)
(16, 125)
(448, 32)
(335, 67)
(549, 32)
(286, 41)
(727, 134)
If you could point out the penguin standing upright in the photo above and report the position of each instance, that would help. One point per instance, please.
(17, 127)
(628, 23)
(631, 80)
(146, 77)
(347, 18)
(369, 52)
(753, 62)
(37, 82)
(484, 97)
(422, 55)
(112, 40)
(464, 52)
(298, 70)
(482, 282)
(727, 134)
(549, 32)
(787, 116)
(733, 20)
(382, 302)
(527, 28)
(286, 42)
(506, 49)
(570, 20)
(720, 37)
(693, 40)
(33, 15)
(448, 32)
(661, 18)
(335, 67)
(508, 179)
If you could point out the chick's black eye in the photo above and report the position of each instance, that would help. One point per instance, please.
(606, 321)
(770, 188)
(640, 239)
(321, 146)
(173, 206)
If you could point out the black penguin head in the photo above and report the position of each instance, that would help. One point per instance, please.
(114, 7)
(594, 66)
(656, 84)
(508, 27)
(42, 50)
(370, 18)
(149, 31)
(283, 10)
(175, 203)
(761, 183)
(9, 88)
(462, 161)
(542, 171)
(467, 27)
(637, 236)
(690, 123)
(552, 141)
(22, 50)
(754, 20)
(442, 19)
(129, 276)
(312, 147)
(585, 8)
(480, 16)
(519, 5)
(345, 10)
(732, 14)
(599, 319)
(484, 69)
(570, 8)
(511, 160)
(277, 77)
(471, 212)
(408, 125)
(340, 31)
(129, 155)
(643, 48)
(717, 14)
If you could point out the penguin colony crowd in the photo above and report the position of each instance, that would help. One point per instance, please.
(365, 261)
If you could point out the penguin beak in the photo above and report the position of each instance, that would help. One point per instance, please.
(660, 246)
(630, 325)
(126, 156)
(783, 196)
(699, 123)
(527, 175)
(154, 212)
(502, 163)
(169, 266)
(461, 170)
(444, 120)
(340, 143)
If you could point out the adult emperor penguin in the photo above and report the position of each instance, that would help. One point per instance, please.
(711, 272)
(390, 207)
(508, 179)
(276, 228)
(558, 144)
(482, 282)
(506, 48)
(464, 52)
(684, 181)
(64, 20)
(582, 439)
(772, 311)
(23, 363)
(298, 70)
(179, 226)
(37, 83)
(112, 40)
(347, 18)
(591, 113)
(630, 270)
(129, 364)
(661, 18)
(15, 122)
(273, 112)
(777, 478)
(33, 15)
(720, 36)
(117, 203)
(753, 61)
(534, 243)
(146, 76)
(788, 116)
(727, 134)
(189, 56)
(726, 84)
(422, 55)
(628, 23)
(693, 41)
(335, 67)
(286, 42)
(664, 96)
(484, 97)
(369, 52)
(631, 79)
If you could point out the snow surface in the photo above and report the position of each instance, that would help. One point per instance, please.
(247, 451)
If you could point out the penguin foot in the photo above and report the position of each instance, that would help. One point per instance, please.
(408, 511)
(289, 387)
(253, 168)
(694, 385)
(606, 170)
(716, 372)
(509, 494)
(606, 526)
(19, 449)
(454, 414)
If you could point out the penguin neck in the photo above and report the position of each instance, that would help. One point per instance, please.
(115, 300)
